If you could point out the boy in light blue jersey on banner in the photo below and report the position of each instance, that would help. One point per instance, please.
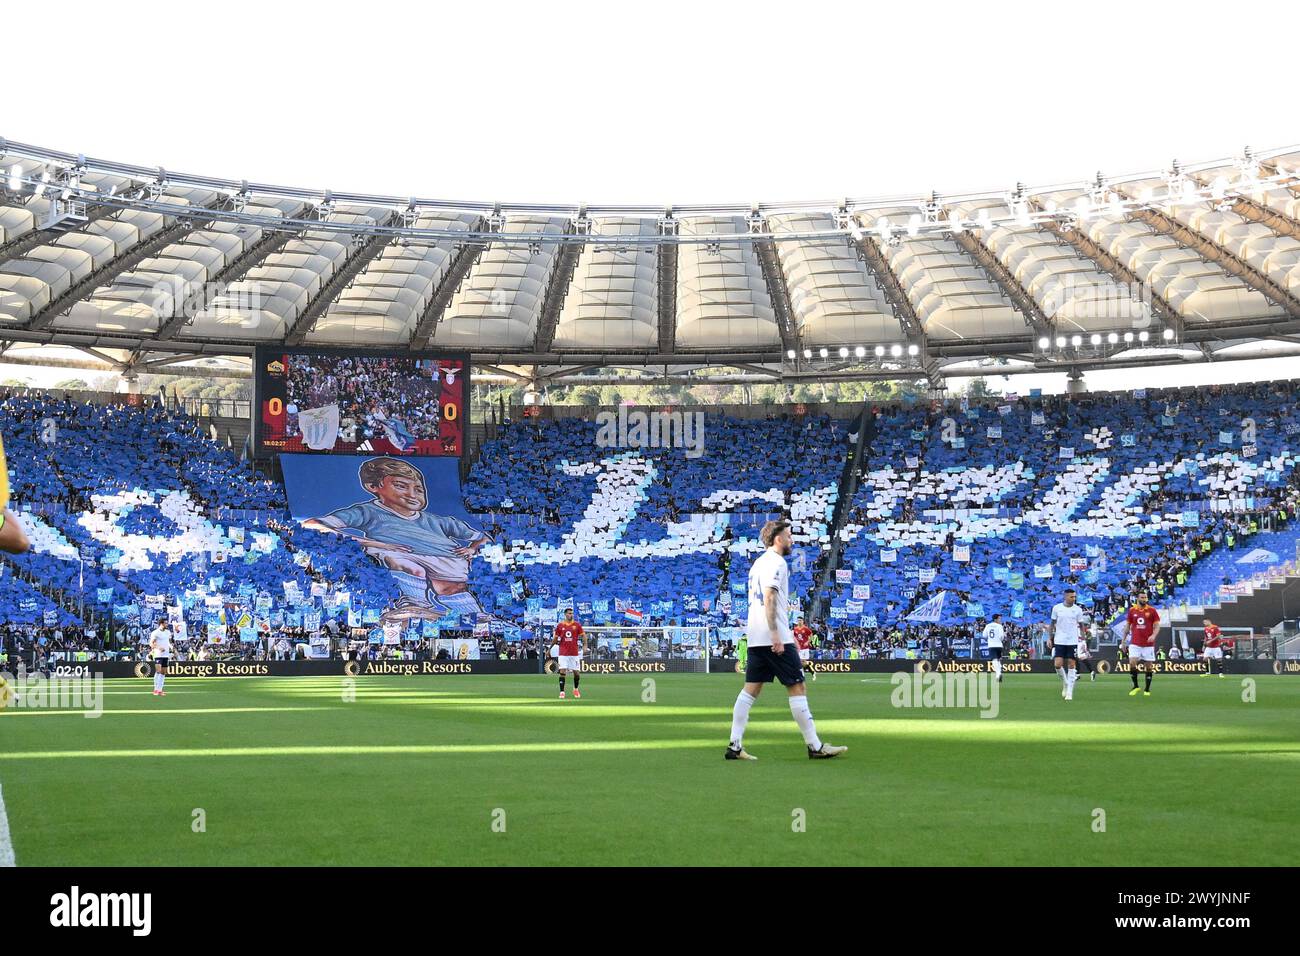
(428, 554)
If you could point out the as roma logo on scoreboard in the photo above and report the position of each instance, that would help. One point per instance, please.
(352, 401)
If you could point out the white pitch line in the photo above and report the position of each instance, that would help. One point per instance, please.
(6, 844)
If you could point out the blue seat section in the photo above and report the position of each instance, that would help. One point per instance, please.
(127, 503)
(1106, 493)
(1229, 565)
(578, 516)
(23, 604)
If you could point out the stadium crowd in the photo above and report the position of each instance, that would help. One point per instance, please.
(136, 513)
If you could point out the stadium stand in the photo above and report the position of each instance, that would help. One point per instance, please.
(133, 509)
(1002, 506)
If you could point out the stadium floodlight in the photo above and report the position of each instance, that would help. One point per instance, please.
(1083, 208)
(790, 354)
(1050, 206)
(895, 350)
(807, 353)
(954, 222)
(1060, 341)
(1076, 340)
(15, 177)
(883, 227)
(1168, 335)
(1094, 339)
(1044, 342)
(1143, 335)
(914, 224)
(880, 351)
(1113, 338)
(914, 350)
(859, 352)
(44, 184)
(822, 353)
(844, 353)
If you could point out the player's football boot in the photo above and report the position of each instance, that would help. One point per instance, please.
(734, 753)
(1134, 692)
(576, 692)
(1094, 677)
(561, 695)
(1146, 693)
(826, 753)
(156, 692)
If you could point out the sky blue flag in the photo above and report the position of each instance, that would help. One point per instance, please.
(930, 611)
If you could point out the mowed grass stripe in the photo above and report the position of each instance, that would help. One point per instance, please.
(411, 773)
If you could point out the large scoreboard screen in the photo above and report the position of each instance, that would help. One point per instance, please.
(357, 402)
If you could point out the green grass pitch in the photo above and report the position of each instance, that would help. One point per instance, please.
(415, 770)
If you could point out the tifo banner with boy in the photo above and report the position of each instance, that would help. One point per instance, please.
(407, 513)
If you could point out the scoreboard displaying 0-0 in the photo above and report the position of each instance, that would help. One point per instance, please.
(347, 401)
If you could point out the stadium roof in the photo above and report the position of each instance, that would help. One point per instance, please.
(146, 269)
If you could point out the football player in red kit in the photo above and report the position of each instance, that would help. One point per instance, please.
(1213, 649)
(568, 634)
(1142, 623)
(803, 635)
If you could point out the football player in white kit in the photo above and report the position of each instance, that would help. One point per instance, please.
(1064, 630)
(994, 635)
(160, 649)
(772, 653)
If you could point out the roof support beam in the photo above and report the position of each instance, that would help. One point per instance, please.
(557, 288)
(908, 321)
(183, 313)
(666, 280)
(154, 364)
(102, 356)
(466, 255)
(1019, 296)
(20, 246)
(115, 267)
(779, 293)
(498, 370)
(1083, 244)
(367, 252)
(1257, 212)
(1228, 261)
(870, 252)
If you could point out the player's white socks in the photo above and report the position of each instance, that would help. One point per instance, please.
(1060, 672)
(157, 682)
(740, 717)
(997, 667)
(803, 717)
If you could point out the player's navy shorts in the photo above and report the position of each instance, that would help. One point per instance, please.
(161, 661)
(1064, 651)
(763, 666)
(995, 652)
